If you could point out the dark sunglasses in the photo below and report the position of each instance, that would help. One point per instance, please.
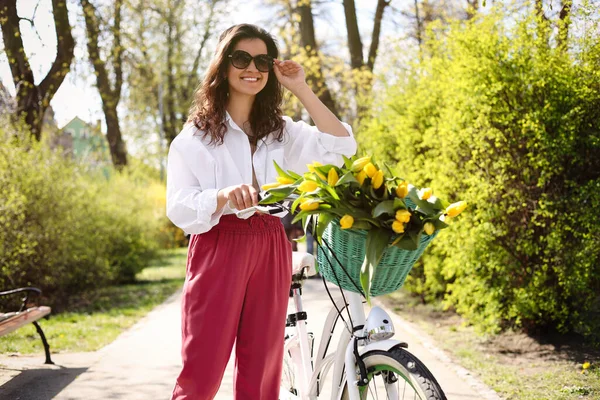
(241, 59)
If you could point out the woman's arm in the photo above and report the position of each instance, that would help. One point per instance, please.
(291, 75)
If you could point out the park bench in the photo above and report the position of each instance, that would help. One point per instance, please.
(28, 313)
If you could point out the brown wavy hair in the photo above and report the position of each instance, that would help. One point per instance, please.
(210, 99)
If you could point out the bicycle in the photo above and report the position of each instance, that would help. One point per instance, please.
(367, 361)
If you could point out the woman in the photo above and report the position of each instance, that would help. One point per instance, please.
(238, 271)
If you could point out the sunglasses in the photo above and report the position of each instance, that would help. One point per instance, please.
(241, 59)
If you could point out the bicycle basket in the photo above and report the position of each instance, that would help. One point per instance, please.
(349, 248)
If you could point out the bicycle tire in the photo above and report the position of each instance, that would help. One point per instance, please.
(408, 369)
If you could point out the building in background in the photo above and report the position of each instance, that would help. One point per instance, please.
(84, 142)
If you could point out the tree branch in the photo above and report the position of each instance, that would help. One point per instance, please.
(381, 5)
(118, 50)
(13, 44)
(354, 43)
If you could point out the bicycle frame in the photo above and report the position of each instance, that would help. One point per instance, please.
(311, 379)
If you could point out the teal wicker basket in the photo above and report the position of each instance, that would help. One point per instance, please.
(349, 248)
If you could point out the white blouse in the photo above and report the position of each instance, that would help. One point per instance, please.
(196, 171)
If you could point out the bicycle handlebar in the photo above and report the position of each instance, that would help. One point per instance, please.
(271, 209)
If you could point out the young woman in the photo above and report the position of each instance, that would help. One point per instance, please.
(238, 271)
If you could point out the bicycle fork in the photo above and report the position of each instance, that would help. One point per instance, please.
(373, 333)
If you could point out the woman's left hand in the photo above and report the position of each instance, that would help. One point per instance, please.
(289, 73)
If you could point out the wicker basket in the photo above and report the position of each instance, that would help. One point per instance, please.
(349, 248)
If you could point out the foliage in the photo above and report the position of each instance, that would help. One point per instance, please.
(67, 228)
(394, 212)
(497, 116)
(92, 319)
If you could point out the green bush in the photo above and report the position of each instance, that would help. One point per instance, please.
(495, 116)
(66, 228)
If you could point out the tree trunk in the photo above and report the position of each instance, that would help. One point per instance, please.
(539, 9)
(169, 119)
(33, 100)
(110, 96)
(118, 151)
(309, 43)
(472, 8)
(381, 5)
(419, 31)
(354, 43)
(564, 21)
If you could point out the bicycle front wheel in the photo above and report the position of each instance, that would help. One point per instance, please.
(395, 375)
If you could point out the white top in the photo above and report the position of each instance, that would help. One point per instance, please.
(196, 171)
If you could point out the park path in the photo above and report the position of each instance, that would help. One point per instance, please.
(144, 361)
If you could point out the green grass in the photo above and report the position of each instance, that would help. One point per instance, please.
(514, 365)
(95, 319)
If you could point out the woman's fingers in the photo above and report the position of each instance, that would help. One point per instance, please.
(247, 198)
(237, 199)
(253, 195)
(243, 196)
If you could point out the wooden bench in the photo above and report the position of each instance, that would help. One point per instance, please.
(28, 313)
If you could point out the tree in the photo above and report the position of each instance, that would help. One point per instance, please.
(355, 47)
(354, 42)
(167, 56)
(32, 100)
(309, 44)
(110, 93)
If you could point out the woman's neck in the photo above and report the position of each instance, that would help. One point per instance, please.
(239, 107)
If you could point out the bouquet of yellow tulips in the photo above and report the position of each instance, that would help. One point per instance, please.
(392, 215)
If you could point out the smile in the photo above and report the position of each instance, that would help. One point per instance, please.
(250, 79)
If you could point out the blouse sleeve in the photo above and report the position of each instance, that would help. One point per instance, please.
(305, 144)
(189, 206)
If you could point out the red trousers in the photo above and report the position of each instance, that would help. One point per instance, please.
(236, 290)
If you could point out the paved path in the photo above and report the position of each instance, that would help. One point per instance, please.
(144, 361)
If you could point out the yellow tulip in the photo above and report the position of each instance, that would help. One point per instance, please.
(309, 205)
(426, 193)
(332, 177)
(370, 170)
(268, 186)
(403, 216)
(311, 168)
(361, 176)
(585, 365)
(429, 228)
(398, 227)
(360, 163)
(377, 180)
(346, 221)
(456, 208)
(284, 180)
(402, 189)
(308, 186)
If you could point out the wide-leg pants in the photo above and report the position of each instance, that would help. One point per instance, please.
(236, 290)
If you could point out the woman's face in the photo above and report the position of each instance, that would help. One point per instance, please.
(247, 81)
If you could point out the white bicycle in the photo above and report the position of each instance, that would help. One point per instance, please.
(367, 363)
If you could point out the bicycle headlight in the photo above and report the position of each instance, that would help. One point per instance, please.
(379, 325)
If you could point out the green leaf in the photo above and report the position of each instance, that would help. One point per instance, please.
(425, 206)
(347, 162)
(284, 190)
(281, 172)
(294, 175)
(377, 240)
(385, 207)
(270, 199)
(361, 224)
(406, 242)
(323, 222)
(348, 177)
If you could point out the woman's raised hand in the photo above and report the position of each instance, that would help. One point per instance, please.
(289, 73)
(240, 196)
